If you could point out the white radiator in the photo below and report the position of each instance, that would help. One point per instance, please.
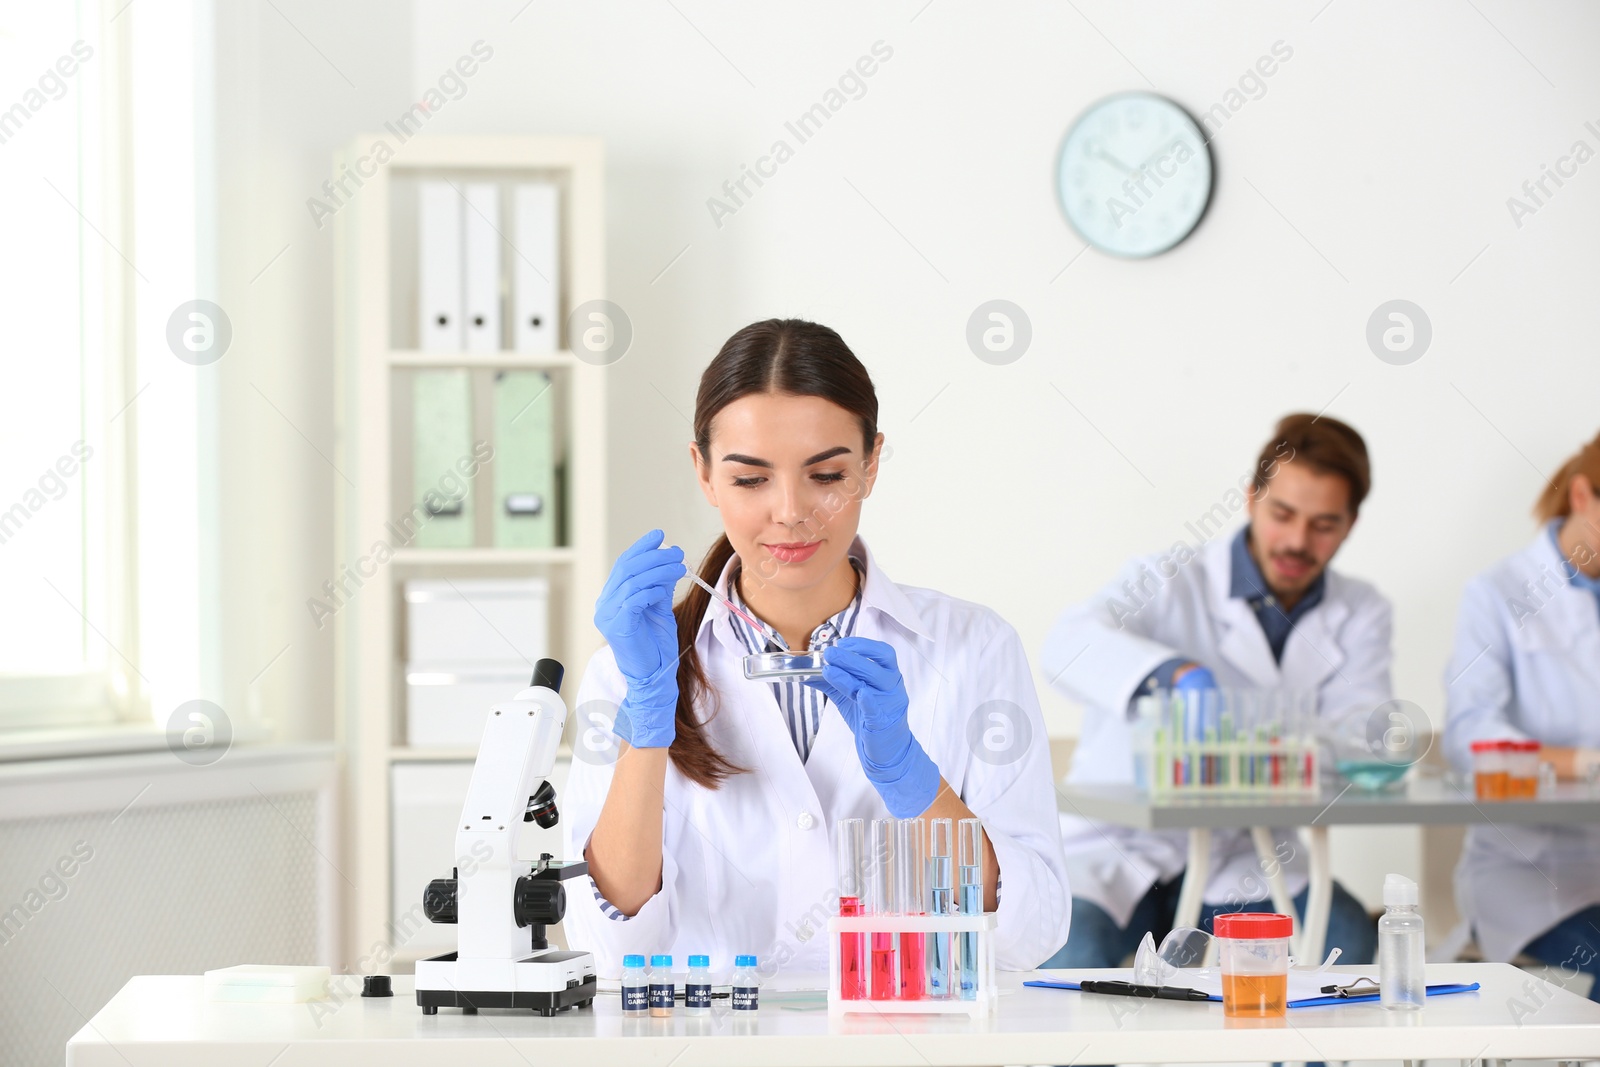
(114, 866)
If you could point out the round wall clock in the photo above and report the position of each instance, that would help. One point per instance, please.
(1134, 175)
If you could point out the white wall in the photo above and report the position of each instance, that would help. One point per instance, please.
(1376, 165)
(1390, 141)
(295, 80)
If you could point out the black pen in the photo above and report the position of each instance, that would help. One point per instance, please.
(1154, 992)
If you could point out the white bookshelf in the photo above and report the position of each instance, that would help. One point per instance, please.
(375, 297)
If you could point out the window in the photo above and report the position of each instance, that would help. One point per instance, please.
(98, 445)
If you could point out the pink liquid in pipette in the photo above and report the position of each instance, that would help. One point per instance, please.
(852, 955)
(912, 969)
(766, 631)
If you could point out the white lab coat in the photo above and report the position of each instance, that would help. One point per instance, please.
(750, 867)
(1100, 651)
(1526, 665)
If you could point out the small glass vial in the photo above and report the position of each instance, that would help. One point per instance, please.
(635, 993)
(661, 987)
(697, 987)
(746, 991)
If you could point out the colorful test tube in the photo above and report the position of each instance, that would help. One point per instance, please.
(911, 878)
(941, 901)
(969, 846)
(883, 986)
(852, 944)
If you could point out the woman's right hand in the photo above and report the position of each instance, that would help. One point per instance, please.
(634, 614)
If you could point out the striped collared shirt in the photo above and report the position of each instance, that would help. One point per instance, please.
(801, 705)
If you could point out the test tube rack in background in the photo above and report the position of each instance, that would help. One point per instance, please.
(911, 935)
(1226, 741)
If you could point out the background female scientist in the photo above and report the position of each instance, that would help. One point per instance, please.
(712, 830)
(1526, 666)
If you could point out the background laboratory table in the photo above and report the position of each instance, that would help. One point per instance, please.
(1423, 800)
(164, 1021)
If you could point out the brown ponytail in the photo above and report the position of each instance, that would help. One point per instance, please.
(691, 751)
(1555, 502)
(789, 356)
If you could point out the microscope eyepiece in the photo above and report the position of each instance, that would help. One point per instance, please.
(548, 673)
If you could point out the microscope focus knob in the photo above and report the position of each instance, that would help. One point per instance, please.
(539, 902)
(439, 900)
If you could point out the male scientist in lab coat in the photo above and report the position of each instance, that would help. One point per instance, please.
(1260, 608)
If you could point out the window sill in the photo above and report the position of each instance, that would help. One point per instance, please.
(71, 742)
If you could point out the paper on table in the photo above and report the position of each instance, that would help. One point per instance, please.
(263, 983)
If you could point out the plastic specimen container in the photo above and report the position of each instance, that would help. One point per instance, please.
(1254, 950)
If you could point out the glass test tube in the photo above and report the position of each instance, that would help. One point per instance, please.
(969, 845)
(853, 944)
(883, 903)
(911, 883)
(940, 902)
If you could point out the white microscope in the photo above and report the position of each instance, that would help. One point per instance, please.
(499, 961)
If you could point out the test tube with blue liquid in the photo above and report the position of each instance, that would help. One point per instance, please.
(941, 901)
(969, 846)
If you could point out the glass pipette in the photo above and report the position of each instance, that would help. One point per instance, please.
(772, 636)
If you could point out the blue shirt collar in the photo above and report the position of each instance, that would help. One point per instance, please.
(1574, 575)
(1247, 583)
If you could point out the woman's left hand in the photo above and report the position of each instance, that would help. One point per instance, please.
(862, 678)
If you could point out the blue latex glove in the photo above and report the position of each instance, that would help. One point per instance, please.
(634, 614)
(863, 680)
(1196, 678)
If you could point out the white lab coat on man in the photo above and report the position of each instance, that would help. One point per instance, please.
(1526, 665)
(750, 867)
(1159, 608)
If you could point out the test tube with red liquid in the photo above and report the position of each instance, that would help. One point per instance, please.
(881, 865)
(852, 944)
(911, 883)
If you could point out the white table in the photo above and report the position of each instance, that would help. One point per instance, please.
(163, 1021)
(1424, 800)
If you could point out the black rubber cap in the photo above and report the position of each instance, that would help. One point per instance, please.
(376, 985)
(547, 673)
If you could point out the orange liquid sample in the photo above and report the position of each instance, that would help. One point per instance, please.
(1254, 995)
(1493, 785)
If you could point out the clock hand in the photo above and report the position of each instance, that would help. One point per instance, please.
(1115, 162)
(1165, 146)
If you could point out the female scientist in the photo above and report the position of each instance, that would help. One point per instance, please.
(709, 828)
(1526, 666)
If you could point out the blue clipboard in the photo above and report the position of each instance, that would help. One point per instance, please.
(1443, 989)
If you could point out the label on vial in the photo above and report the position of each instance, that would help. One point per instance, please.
(661, 994)
(635, 998)
(746, 997)
(696, 995)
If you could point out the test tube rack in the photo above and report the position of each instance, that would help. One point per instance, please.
(987, 992)
(1230, 743)
(1213, 768)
